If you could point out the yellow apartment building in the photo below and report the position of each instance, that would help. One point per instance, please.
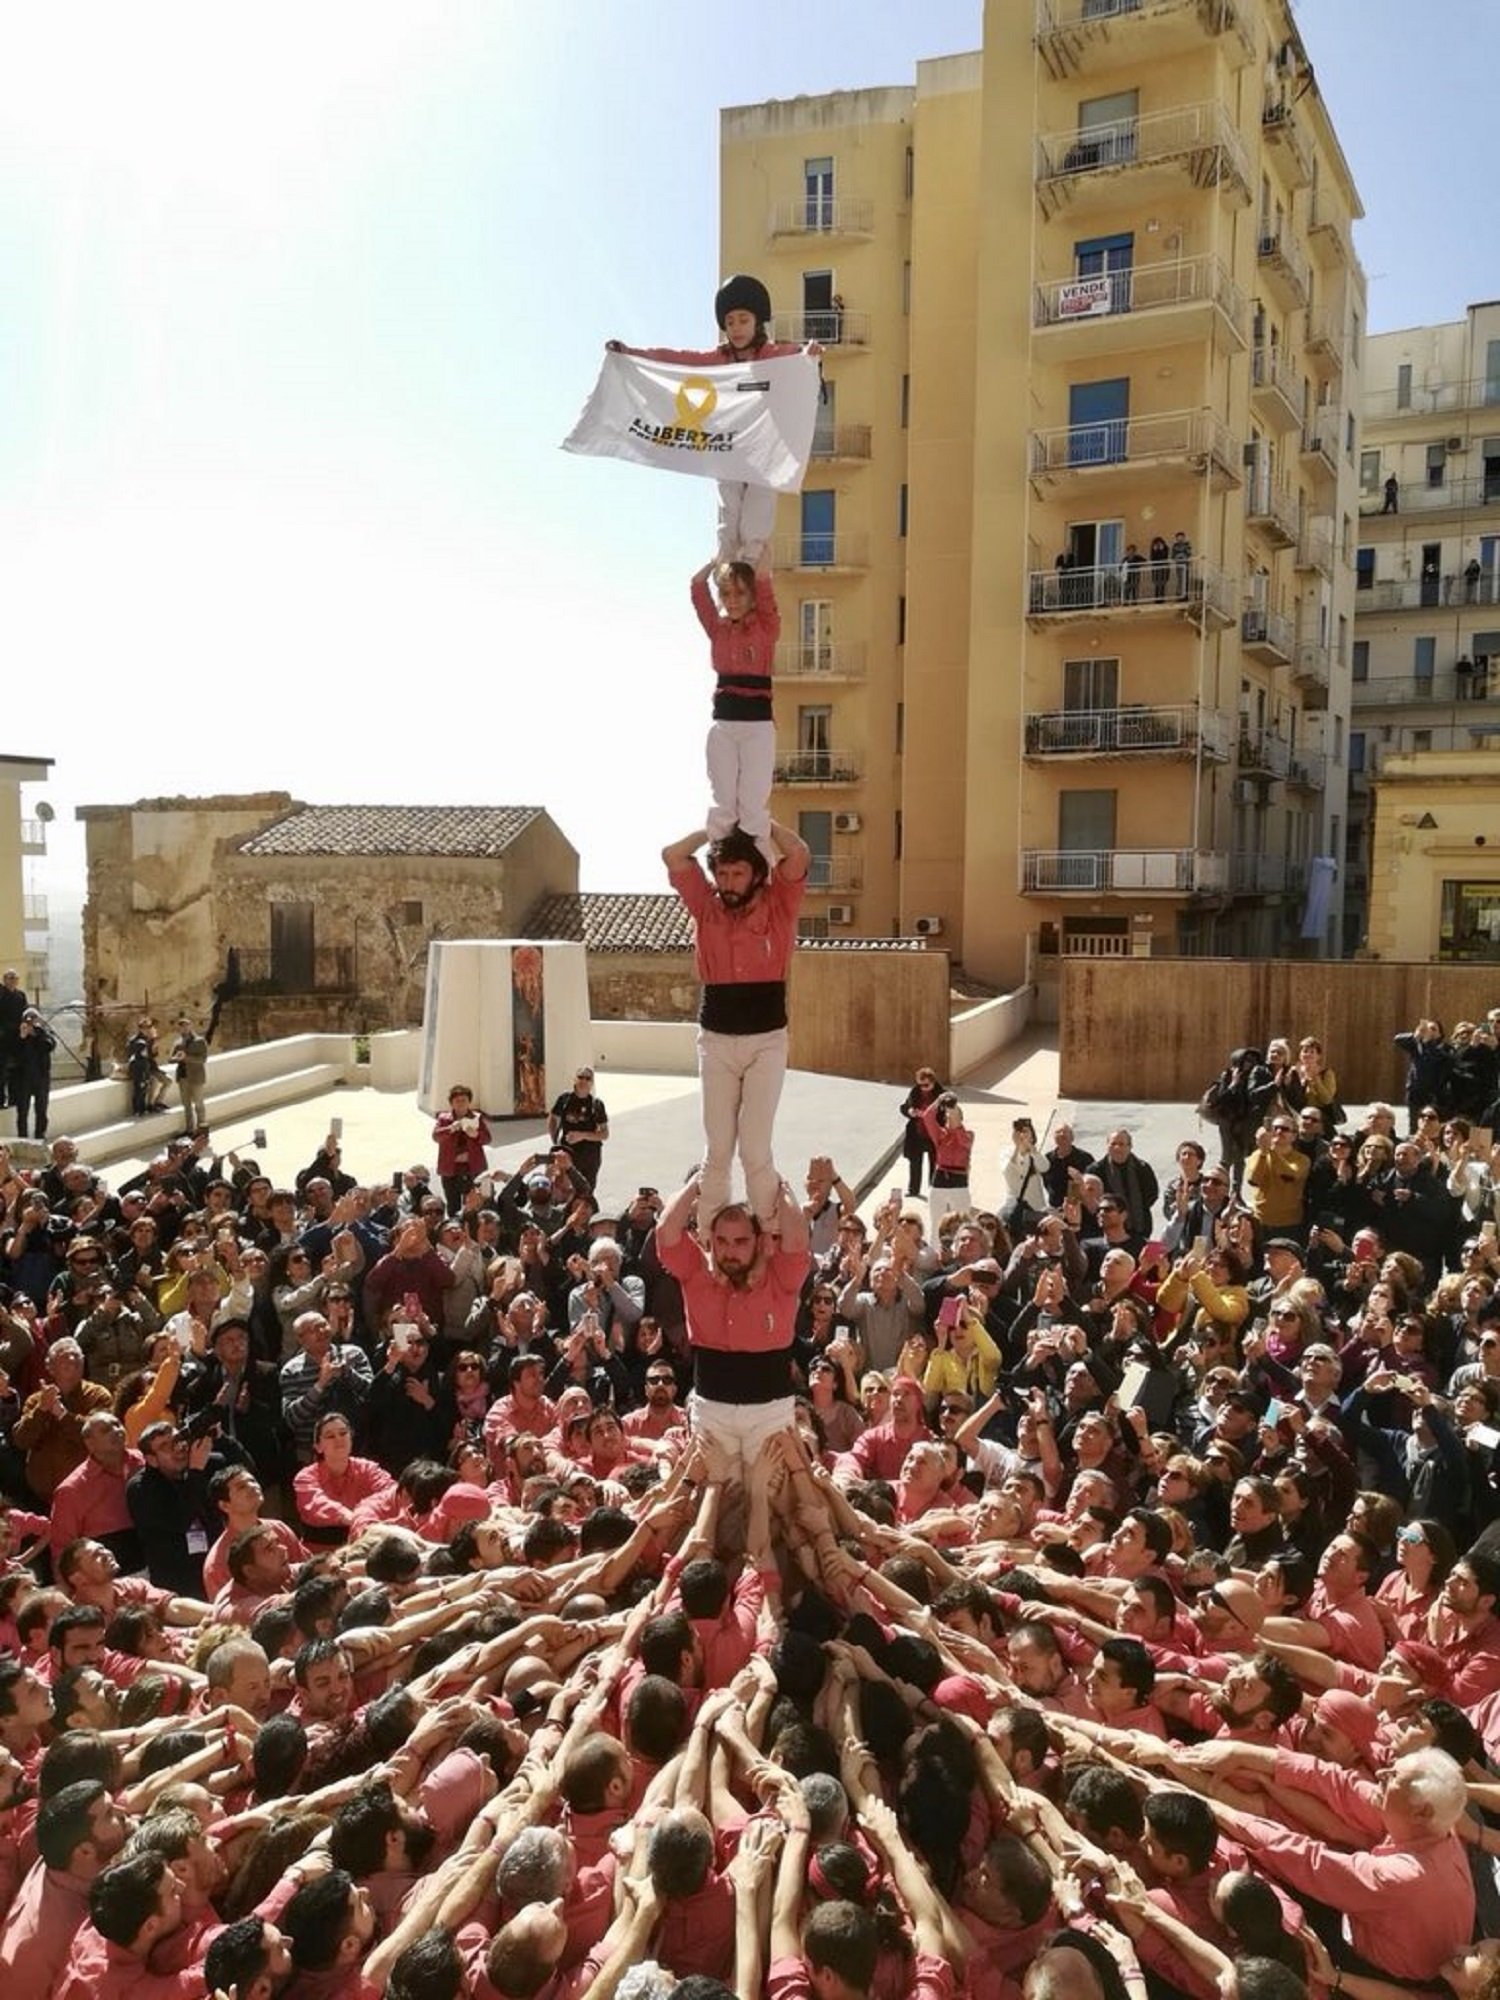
(1435, 857)
(23, 907)
(1426, 673)
(1069, 589)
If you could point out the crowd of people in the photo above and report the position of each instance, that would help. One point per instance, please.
(425, 1589)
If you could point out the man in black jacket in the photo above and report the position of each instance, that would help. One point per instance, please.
(170, 1506)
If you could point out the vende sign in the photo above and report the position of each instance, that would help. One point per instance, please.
(1085, 298)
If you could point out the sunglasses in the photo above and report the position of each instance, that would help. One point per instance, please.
(670, 1380)
(466, 1367)
(1286, 1312)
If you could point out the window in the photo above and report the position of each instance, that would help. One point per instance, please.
(818, 538)
(901, 507)
(1469, 926)
(900, 727)
(1361, 659)
(1421, 739)
(1356, 334)
(1343, 640)
(812, 927)
(906, 288)
(1437, 465)
(411, 913)
(1106, 131)
(1338, 739)
(1091, 684)
(825, 422)
(1492, 371)
(1364, 570)
(816, 828)
(814, 635)
(814, 730)
(898, 832)
(817, 186)
(820, 320)
(905, 401)
(1369, 472)
(1424, 659)
(1403, 386)
(1085, 821)
(910, 182)
(1351, 426)
(1356, 749)
(901, 619)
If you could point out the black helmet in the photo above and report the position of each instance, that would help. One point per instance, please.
(742, 294)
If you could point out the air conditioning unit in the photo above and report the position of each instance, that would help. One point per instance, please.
(928, 927)
(1455, 444)
(841, 913)
(1245, 793)
(846, 822)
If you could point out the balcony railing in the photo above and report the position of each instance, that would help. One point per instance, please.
(1323, 438)
(1428, 593)
(842, 441)
(833, 326)
(1171, 871)
(1200, 137)
(33, 836)
(824, 215)
(1269, 634)
(1179, 729)
(1308, 769)
(844, 661)
(1278, 386)
(1262, 753)
(1325, 339)
(1416, 496)
(1329, 230)
(1272, 509)
(1288, 142)
(1195, 589)
(327, 968)
(1194, 438)
(34, 911)
(835, 874)
(1257, 874)
(1143, 289)
(1315, 548)
(1430, 399)
(1396, 690)
(1283, 264)
(813, 549)
(1064, 28)
(815, 767)
(1312, 664)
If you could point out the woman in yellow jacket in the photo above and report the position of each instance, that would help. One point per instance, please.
(965, 1357)
(1210, 1287)
(1276, 1176)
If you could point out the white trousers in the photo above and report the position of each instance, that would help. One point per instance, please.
(942, 1201)
(741, 764)
(740, 1078)
(736, 1433)
(747, 517)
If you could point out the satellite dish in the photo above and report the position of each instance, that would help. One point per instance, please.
(44, 811)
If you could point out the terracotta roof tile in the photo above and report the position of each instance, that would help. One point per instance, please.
(426, 830)
(658, 922)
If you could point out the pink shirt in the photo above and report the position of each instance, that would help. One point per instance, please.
(1353, 1626)
(879, 1452)
(742, 650)
(508, 1418)
(741, 947)
(48, 1913)
(326, 1499)
(759, 1320)
(91, 1502)
(216, 1562)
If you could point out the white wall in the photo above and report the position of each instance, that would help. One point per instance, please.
(981, 1032)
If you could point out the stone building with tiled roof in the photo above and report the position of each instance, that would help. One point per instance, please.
(317, 916)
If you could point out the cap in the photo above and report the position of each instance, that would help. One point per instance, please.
(1287, 1243)
(1338, 1709)
(539, 1180)
(742, 294)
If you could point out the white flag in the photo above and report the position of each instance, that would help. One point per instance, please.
(750, 422)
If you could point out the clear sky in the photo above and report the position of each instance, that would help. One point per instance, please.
(297, 301)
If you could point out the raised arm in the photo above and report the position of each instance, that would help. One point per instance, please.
(681, 852)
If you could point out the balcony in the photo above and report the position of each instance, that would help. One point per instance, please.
(1315, 549)
(1453, 496)
(36, 976)
(1430, 399)
(1308, 770)
(1328, 231)
(1262, 753)
(1267, 635)
(1276, 388)
(1096, 35)
(1322, 439)
(33, 836)
(1312, 668)
(1128, 871)
(841, 444)
(1170, 446)
(829, 553)
(1132, 159)
(1179, 730)
(823, 215)
(1287, 143)
(825, 662)
(835, 875)
(1283, 266)
(327, 968)
(1257, 874)
(34, 912)
(1427, 593)
(1324, 344)
(834, 327)
(1272, 511)
(1401, 690)
(1149, 305)
(1196, 591)
(815, 767)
